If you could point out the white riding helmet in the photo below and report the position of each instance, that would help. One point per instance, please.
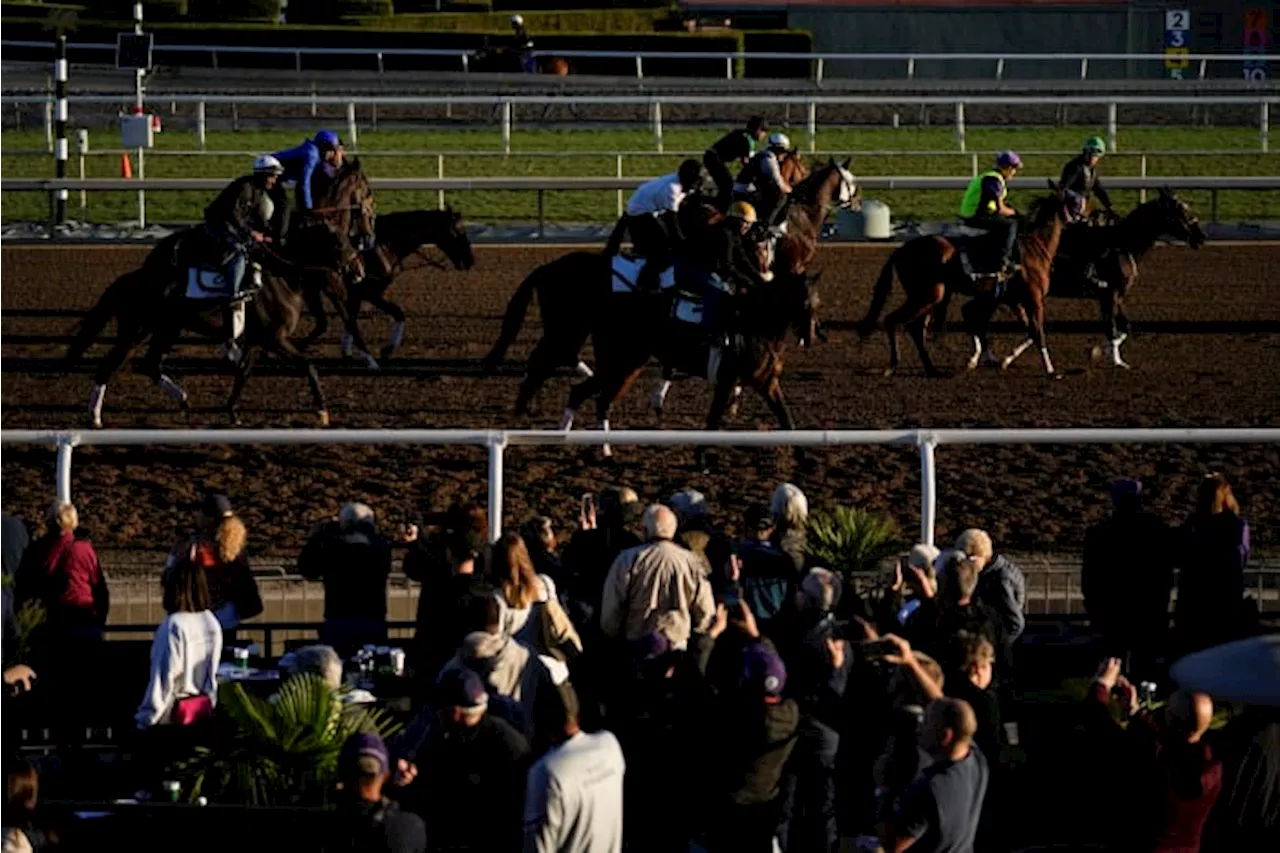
(517, 20)
(779, 142)
(266, 164)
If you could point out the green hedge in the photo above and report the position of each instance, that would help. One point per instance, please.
(235, 10)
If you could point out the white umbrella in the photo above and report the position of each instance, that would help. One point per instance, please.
(1244, 671)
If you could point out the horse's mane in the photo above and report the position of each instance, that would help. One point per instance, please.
(405, 228)
(1040, 211)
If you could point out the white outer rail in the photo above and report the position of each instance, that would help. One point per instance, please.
(498, 440)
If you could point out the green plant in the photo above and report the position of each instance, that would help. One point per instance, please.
(283, 751)
(848, 540)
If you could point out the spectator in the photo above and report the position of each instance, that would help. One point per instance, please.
(22, 831)
(1213, 552)
(450, 565)
(651, 579)
(915, 680)
(184, 654)
(353, 560)
(915, 580)
(508, 667)
(322, 661)
(573, 798)
(469, 768)
(1127, 576)
(14, 540)
(940, 810)
(539, 536)
(1181, 775)
(819, 665)
(61, 570)
(531, 612)
(695, 531)
(756, 733)
(603, 533)
(1001, 584)
(218, 548)
(944, 614)
(972, 682)
(768, 577)
(790, 509)
(368, 820)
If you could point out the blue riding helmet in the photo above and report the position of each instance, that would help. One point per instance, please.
(327, 138)
(1008, 159)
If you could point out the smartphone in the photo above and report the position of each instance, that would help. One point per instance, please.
(588, 503)
(732, 600)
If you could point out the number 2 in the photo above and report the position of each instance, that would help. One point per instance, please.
(1176, 19)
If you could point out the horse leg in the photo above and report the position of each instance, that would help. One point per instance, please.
(715, 417)
(610, 393)
(538, 370)
(396, 338)
(153, 365)
(243, 370)
(578, 395)
(107, 368)
(340, 299)
(1109, 306)
(1122, 329)
(286, 347)
(977, 318)
(659, 395)
(315, 304)
(1033, 315)
(912, 315)
(938, 328)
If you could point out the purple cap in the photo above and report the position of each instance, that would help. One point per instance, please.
(652, 646)
(763, 669)
(364, 754)
(461, 688)
(1008, 158)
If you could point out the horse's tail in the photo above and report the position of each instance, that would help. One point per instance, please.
(514, 318)
(879, 296)
(102, 313)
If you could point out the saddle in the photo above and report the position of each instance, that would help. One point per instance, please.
(979, 252)
(626, 272)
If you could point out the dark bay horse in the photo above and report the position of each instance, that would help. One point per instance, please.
(632, 328)
(146, 306)
(929, 268)
(811, 200)
(402, 237)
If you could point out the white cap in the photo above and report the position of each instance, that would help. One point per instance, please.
(267, 163)
(517, 20)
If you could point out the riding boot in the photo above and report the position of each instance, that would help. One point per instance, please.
(231, 349)
(1091, 276)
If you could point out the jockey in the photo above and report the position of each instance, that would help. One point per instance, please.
(239, 218)
(762, 179)
(522, 44)
(651, 218)
(1080, 178)
(723, 266)
(322, 153)
(736, 146)
(984, 207)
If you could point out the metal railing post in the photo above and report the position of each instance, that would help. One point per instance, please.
(813, 126)
(351, 124)
(202, 125)
(1000, 68)
(911, 68)
(48, 126)
(657, 125)
(620, 199)
(639, 67)
(1264, 125)
(928, 487)
(506, 127)
(142, 194)
(440, 205)
(1142, 172)
(819, 70)
(66, 443)
(1084, 68)
(973, 162)
(960, 124)
(497, 444)
(728, 67)
(297, 61)
(1112, 129)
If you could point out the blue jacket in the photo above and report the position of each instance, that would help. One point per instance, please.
(300, 164)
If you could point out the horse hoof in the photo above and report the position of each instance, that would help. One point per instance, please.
(1005, 362)
(889, 372)
(324, 417)
(234, 417)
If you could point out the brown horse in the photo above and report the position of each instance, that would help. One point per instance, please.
(811, 200)
(929, 267)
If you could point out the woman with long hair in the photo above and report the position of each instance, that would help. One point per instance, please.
(184, 654)
(531, 611)
(218, 548)
(1213, 554)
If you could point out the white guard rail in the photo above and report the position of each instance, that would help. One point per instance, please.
(498, 440)
(907, 61)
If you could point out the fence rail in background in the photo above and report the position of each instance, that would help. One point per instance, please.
(904, 64)
(497, 441)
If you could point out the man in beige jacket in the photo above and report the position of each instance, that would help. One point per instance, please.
(650, 581)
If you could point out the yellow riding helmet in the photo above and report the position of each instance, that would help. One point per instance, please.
(743, 210)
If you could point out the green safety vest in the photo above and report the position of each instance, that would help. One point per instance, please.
(973, 194)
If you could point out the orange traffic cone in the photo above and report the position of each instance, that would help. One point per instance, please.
(126, 167)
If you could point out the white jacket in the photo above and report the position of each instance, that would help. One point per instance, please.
(184, 663)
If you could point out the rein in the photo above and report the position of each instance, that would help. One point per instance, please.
(276, 256)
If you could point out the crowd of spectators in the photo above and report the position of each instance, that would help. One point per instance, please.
(652, 681)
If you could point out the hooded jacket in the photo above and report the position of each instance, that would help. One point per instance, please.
(509, 668)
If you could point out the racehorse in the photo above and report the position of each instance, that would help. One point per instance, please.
(1115, 251)
(631, 328)
(148, 306)
(810, 202)
(400, 237)
(929, 267)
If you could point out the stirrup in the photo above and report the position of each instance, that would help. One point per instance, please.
(232, 352)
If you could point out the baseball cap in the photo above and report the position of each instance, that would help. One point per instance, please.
(763, 669)
(216, 505)
(652, 646)
(364, 754)
(461, 688)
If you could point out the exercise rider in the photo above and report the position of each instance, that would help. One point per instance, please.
(984, 208)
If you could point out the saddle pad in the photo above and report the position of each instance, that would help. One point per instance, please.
(625, 271)
(686, 311)
(205, 283)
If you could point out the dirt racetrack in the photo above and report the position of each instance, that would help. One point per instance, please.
(1205, 349)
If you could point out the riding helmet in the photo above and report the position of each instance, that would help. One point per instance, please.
(265, 164)
(1095, 146)
(328, 139)
(779, 142)
(1007, 159)
(744, 211)
(517, 20)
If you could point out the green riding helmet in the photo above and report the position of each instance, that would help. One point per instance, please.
(1095, 146)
